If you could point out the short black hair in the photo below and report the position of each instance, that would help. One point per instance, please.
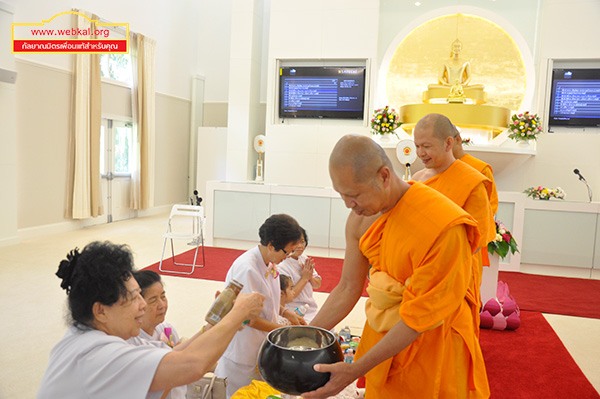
(279, 230)
(305, 236)
(284, 282)
(146, 278)
(96, 274)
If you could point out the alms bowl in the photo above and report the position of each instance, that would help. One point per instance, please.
(288, 354)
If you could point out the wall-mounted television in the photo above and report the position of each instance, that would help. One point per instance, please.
(575, 97)
(336, 92)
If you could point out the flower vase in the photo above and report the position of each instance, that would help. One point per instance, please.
(386, 138)
(523, 143)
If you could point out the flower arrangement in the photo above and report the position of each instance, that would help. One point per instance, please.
(467, 141)
(544, 193)
(525, 127)
(503, 242)
(385, 120)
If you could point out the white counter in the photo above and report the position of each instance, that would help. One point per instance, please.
(555, 237)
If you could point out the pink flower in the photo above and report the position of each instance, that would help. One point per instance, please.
(506, 237)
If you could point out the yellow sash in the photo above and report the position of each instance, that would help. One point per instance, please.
(385, 297)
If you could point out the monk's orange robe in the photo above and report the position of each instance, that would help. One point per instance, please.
(485, 169)
(465, 186)
(428, 238)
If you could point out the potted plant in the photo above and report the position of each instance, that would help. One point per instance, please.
(544, 193)
(385, 121)
(503, 242)
(524, 127)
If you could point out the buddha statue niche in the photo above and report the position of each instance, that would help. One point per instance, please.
(454, 81)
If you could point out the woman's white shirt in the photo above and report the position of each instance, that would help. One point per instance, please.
(93, 364)
(249, 269)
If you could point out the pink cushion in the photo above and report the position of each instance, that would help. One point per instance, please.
(492, 306)
(513, 321)
(486, 320)
(499, 322)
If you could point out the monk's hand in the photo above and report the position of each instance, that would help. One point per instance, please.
(342, 375)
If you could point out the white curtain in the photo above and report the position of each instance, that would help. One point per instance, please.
(85, 197)
(142, 50)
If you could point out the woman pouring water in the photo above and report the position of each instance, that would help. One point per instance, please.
(93, 359)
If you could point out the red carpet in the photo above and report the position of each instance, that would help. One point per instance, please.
(531, 362)
(558, 295)
(546, 294)
(528, 363)
(218, 261)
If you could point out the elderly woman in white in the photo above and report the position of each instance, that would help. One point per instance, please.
(93, 359)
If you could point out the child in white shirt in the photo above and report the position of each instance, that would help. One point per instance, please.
(301, 269)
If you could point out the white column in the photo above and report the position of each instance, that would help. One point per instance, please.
(243, 120)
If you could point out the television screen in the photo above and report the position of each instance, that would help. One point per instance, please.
(322, 92)
(575, 97)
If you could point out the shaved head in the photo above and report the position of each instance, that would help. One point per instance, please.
(362, 154)
(440, 125)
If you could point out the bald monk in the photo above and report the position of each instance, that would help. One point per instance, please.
(419, 339)
(484, 168)
(465, 186)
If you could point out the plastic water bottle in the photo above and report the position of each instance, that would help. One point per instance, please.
(346, 334)
(301, 310)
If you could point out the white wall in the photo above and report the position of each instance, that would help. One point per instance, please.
(568, 30)
(8, 136)
(298, 150)
(214, 31)
(174, 25)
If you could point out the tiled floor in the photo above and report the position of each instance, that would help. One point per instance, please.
(32, 304)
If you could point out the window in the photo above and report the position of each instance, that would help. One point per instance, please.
(116, 67)
(123, 147)
(116, 147)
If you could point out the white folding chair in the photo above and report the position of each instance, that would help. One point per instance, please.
(185, 223)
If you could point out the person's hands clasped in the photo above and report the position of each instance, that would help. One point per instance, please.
(306, 271)
(251, 304)
(342, 375)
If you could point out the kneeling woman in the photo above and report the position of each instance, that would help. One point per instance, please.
(94, 361)
(256, 270)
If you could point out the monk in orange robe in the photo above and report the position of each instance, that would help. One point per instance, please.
(465, 186)
(483, 168)
(420, 338)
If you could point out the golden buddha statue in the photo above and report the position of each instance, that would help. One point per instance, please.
(455, 97)
(454, 81)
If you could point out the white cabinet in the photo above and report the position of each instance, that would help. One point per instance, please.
(235, 211)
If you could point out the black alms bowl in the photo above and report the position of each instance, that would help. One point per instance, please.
(288, 354)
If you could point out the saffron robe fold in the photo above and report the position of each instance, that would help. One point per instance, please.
(431, 240)
(465, 187)
(486, 170)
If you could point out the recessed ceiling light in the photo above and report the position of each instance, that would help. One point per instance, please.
(418, 3)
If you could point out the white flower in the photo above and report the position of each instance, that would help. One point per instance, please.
(498, 238)
(501, 231)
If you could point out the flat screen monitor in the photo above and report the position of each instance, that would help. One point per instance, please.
(322, 92)
(575, 97)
